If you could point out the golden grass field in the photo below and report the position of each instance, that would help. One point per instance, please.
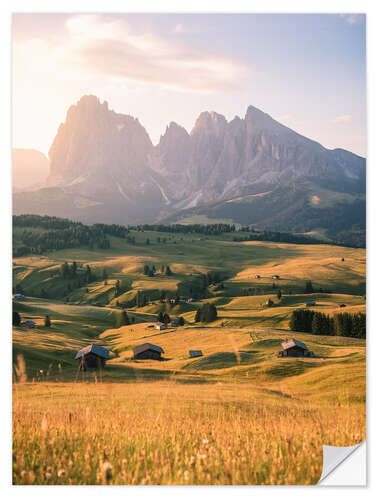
(236, 415)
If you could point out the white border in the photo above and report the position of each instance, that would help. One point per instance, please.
(271, 6)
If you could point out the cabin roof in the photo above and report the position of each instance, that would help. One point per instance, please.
(193, 354)
(147, 347)
(293, 343)
(159, 323)
(94, 349)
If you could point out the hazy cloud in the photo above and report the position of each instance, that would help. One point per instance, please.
(180, 28)
(352, 18)
(342, 119)
(101, 48)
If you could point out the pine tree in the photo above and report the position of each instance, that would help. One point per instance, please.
(197, 316)
(279, 294)
(65, 270)
(181, 321)
(309, 288)
(88, 274)
(208, 313)
(168, 271)
(124, 319)
(166, 319)
(160, 317)
(16, 319)
(47, 321)
(317, 323)
(74, 268)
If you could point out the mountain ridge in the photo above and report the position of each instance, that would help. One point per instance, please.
(108, 159)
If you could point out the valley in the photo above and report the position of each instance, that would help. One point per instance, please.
(239, 381)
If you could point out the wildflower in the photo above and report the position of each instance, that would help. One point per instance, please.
(44, 424)
(107, 470)
(61, 473)
(205, 441)
(186, 475)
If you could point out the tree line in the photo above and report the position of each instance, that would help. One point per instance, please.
(341, 324)
(207, 229)
(55, 233)
(276, 236)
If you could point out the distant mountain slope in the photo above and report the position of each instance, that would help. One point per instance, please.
(104, 168)
(30, 168)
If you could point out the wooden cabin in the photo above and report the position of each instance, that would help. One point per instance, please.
(195, 354)
(148, 351)
(275, 277)
(92, 357)
(29, 323)
(294, 349)
(160, 326)
(269, 302)
(342, 305)
(257, 276)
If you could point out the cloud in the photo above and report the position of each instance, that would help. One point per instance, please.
(180, 28)
(94, 47)
(342, 119)
(352, 18)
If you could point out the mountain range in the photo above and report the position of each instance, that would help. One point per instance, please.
(251, 170)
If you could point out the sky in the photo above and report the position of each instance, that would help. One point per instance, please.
(307, 71)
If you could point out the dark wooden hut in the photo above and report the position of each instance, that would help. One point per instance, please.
(195, 354)
(92, 357)
(148, 351)
(295, 349)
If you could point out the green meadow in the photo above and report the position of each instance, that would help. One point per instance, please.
(236, 415)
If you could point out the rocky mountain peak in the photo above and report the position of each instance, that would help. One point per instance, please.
(209, 122)
(109, 159)
(257, 119)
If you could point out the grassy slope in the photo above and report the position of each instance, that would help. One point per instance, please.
(322, 399)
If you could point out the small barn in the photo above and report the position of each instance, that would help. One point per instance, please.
(92, 357)
(269, 302)
(294, 349)
(30, 323)
(195, 354)
(18, 296)
(257, 276)
(160, 326)
(275, 277)
(342, 305)
(148, 351)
